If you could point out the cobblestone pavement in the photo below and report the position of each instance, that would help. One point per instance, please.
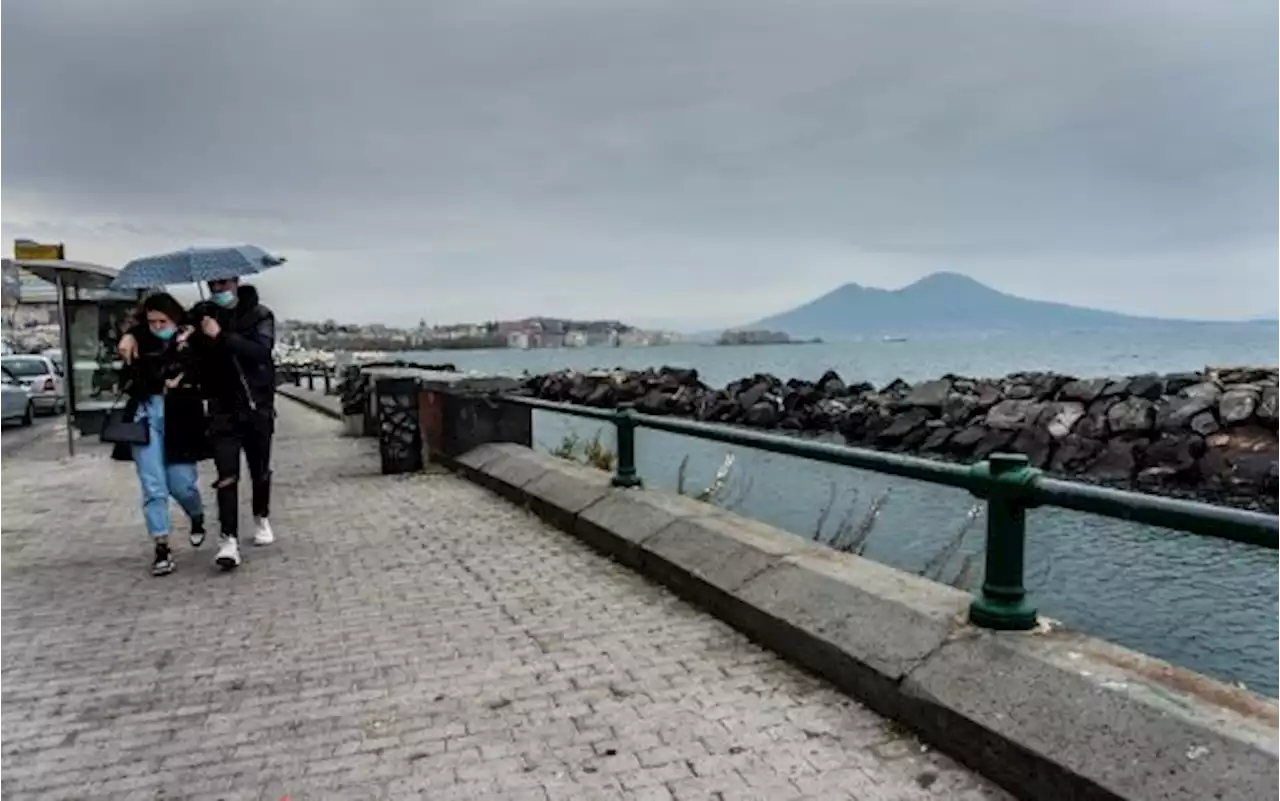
(406, 637)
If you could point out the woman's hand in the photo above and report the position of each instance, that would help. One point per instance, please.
(184, 333)
(128, 348)
(172, 383)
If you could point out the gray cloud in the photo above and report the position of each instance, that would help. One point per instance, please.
(698, 162)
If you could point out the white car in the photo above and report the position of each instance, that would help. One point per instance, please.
(41, 375)
(18, 405)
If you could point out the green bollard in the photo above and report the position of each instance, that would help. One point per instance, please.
(1002, 603)
(624, 421)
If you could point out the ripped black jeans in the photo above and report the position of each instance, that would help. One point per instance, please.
(230, 432)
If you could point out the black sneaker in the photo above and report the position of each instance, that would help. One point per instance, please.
(197, 532)
(163, 565)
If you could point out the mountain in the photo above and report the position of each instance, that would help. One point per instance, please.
(939, 303)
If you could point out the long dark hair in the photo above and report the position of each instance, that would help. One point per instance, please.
(167, 305)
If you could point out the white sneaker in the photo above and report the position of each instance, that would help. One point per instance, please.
(228, 557)
(262, 534)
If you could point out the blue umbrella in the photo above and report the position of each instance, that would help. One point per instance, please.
(194, 265)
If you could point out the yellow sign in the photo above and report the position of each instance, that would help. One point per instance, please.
(26, 250)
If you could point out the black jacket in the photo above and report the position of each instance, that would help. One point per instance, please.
(238, 365)
(185, 428)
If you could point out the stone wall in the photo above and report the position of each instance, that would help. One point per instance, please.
(1209, 435)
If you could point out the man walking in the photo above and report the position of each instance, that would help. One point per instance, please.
(237, 377)
(240, 380)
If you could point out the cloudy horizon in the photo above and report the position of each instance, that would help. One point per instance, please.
(690, 164)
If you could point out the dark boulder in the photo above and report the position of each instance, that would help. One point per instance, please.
(1085, 390)
(1118, 460)
(1012, 415)
(963, 442)
(831, 384)
(1237, 405)
(902, 425)
(1173, 456)
(1266, 410)
(1060, 418)
(601, 395)
(987, 394)
(1131, 416)
(1151, 387)
(992, 442)
(1176, 382)
(763, 414)
(1074, 453)
(959, 408)
(1020, 392)
(896, 386)
(929, 394)
(1035, 444)
(1205, 423)
(654, 402)
(1174, 414)
(754, 394)
(937, 440)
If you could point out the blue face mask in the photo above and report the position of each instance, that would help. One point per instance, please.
(225, 299)
(164, 334)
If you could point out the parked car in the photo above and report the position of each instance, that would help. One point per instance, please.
(43, 376)
(18, 405)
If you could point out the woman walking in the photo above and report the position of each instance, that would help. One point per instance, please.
(163, 390)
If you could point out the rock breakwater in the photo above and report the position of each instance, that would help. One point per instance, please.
(1209, 435)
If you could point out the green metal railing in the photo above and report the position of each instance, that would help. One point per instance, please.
(1005, 481)
(290, 374)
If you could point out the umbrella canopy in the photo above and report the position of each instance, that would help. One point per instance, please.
(193, 266)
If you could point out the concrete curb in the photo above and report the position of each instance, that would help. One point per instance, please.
(1049, 715)
(319, 403)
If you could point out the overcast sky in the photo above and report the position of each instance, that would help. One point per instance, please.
(692, 163)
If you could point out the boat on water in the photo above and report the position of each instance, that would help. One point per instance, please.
(893, 339)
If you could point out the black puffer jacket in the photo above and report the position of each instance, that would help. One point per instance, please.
(238, 365)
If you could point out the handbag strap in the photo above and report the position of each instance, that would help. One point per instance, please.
(244, 384)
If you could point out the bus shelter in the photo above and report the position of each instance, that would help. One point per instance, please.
(92, 317)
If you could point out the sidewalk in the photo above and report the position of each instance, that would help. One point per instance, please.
(407, 637)
(327, 404)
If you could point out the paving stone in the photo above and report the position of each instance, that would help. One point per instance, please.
(407, 636)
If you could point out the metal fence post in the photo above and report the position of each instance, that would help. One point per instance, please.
(626, 475)
(297, 377)
(1002, 603)
(327, 386)
(311, 380)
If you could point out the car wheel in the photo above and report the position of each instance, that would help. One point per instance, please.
(29, 416)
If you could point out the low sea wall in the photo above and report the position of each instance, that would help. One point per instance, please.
(1208, 435)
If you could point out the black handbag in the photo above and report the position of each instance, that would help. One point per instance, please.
(119, 429)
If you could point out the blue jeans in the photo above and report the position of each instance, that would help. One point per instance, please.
(159, 479)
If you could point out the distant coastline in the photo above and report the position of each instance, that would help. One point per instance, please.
(761, 337)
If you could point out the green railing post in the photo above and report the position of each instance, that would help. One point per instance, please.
(1002, 603)
(624, 420)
